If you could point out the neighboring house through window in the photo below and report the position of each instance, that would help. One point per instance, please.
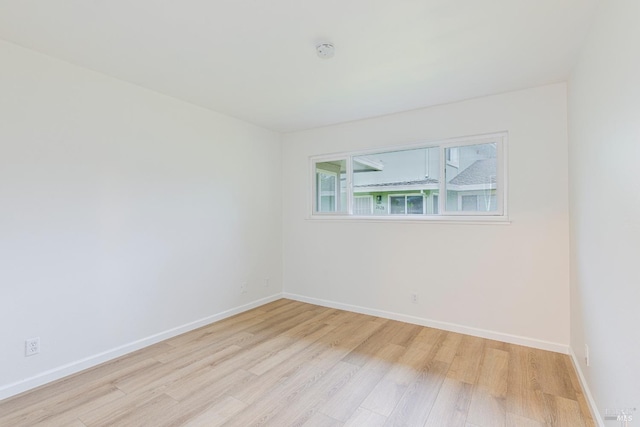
(406, 204)
(362, 205)
(331, 186)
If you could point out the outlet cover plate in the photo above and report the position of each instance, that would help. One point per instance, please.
(32, 346)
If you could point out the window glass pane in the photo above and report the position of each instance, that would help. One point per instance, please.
(331, 187)
(415, 204)
(469, 203)
(471, 183)
(397, 205)
(383, 175)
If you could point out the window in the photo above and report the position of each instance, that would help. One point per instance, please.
(331, 186)
(472, 185)
(362, 205)
(407, 182)
(406, 204)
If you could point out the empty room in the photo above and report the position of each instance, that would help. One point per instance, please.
(341, 213)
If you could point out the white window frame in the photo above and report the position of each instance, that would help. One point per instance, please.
(498, 216)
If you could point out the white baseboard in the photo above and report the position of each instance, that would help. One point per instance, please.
(452, 327)
(583, 382)
(42, 378)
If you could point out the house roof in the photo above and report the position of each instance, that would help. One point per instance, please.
(479, 172)
(400, 183)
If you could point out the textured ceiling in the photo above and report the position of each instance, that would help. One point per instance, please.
(255, 60)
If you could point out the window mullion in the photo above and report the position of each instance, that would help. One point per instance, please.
(442, 199)
(349, 185)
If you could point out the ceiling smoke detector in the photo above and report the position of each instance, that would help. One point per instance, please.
(325, 50)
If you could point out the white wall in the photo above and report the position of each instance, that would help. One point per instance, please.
(123, 214)
(510, 280)
(604, 129)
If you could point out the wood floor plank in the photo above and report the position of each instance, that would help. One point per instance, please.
(164, 374)
(286, 363)
(344, 403)
(210, 344)
(103, 415)
(514, 420)
(279, 402)
(365, 418)
(585, 411)
(281, 347)
(373, 343)
(465, 364)
(554, 377)
(310, 399)
(391, 332)
(150, 413)
(281, 354)
(60, 417)
(416, 403)
(580, 397)
(64, 408)
(243, 360)
(218, 414)
(449, 347)
(70, 387)
(199, 405)
(321, 420)
(486, 410)
(211, 383)
(524, 396)
(390, 389)
(322, 354)
(451, 405)
(488, 403)
(220, 330)
(494, 373)
(563, 412)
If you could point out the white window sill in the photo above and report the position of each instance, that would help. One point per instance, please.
(426, 219)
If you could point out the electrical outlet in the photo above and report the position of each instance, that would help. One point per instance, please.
(414, 298)
(243, 288)
(267, 282)
(587, 361)
(32, 346)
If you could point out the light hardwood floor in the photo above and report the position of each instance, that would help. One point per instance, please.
(294, 364)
